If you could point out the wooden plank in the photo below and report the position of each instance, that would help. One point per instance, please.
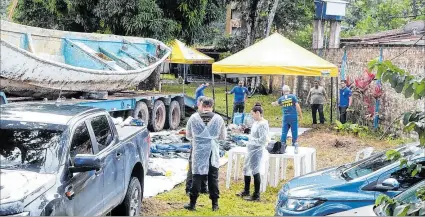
(128, 66)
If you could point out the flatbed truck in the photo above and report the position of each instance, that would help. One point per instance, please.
(158, 111)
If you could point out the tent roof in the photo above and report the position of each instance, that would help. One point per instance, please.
(275, 55)
(186, 55)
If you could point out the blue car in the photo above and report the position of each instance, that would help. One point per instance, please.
(350, 186)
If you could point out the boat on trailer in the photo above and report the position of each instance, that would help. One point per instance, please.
(40, 62)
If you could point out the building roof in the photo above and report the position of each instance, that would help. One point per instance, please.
(408, 35)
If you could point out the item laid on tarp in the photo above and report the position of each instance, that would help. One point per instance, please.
(238, 118)
(183, 54)
(275, 55)
(179, 147)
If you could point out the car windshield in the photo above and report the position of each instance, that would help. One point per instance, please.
(409, 196)
(374, 163)
(29, 149)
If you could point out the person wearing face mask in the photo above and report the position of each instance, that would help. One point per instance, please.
(318, 98)
(241, 93)
(290, 109)
(344, 101)
(257, 154)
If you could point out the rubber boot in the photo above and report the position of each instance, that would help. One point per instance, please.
(245, 192)
(257, 185)
(296, 148)
(282, 148)
(215, 205)
(192, 205)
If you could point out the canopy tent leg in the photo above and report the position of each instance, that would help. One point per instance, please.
(184, 77)
(213, 90)
(227, 106)
(332, 85)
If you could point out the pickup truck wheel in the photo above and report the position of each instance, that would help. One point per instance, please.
(173, 116)
(158, 116)
(133, 198)
(142, 112)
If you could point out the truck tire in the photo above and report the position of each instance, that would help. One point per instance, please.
(158, 116)
(133, 199)
(142, 112)
(173, 116)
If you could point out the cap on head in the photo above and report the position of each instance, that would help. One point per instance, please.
(207, 102)
(286, 89)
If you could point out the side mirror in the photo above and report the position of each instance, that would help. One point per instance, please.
(84, 163)
(388, 185)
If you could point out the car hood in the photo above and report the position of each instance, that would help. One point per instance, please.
(362, 211)
(23, 186)
(326, 184)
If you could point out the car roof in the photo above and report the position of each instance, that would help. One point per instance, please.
(49, 113)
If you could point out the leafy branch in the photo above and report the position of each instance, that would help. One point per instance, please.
(409, 85)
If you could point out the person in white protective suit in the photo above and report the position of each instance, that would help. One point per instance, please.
(204, 184)
(257, 154)
(203, 130)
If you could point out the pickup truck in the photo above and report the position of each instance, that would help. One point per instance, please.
(58, 159)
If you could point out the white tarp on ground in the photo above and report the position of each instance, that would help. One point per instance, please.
(176, 173)
(176, 168)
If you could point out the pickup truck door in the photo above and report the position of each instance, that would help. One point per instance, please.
(86, 187)
(111, 153)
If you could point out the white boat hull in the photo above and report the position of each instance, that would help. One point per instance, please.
(25, 73)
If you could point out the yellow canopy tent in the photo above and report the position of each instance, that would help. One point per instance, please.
(274, 55)
(183, 54)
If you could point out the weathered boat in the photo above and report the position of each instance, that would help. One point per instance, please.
(38, 62)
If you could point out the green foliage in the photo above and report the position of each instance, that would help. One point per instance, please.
(161, 19)
(350, 128)
(410, 85)
(371, 16)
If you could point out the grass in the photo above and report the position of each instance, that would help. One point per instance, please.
(332, 148)
(228, 202)
(271, 113)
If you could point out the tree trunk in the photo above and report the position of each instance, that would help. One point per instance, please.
(271, 17)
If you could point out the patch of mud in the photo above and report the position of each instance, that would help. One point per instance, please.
(154, 207)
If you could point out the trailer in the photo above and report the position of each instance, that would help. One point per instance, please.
(157, 111)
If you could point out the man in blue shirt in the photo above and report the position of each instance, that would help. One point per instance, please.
(200, 90)
(291, 110)
(344, 101)
(240, 97)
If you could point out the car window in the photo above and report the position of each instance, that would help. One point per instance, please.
(374, 163)
(102, 131)
(81, 143)
(405, 178)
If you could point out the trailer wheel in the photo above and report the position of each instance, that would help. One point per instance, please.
(173, 116)
(142, 112)
(158, 116)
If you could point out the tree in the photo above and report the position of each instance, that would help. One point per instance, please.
(161, 19)
(370, 16)
(410, 86)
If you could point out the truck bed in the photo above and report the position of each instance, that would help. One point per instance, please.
(128, 131)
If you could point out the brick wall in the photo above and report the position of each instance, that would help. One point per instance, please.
(393, 104)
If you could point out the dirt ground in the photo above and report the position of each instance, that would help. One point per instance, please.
(332, 149)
